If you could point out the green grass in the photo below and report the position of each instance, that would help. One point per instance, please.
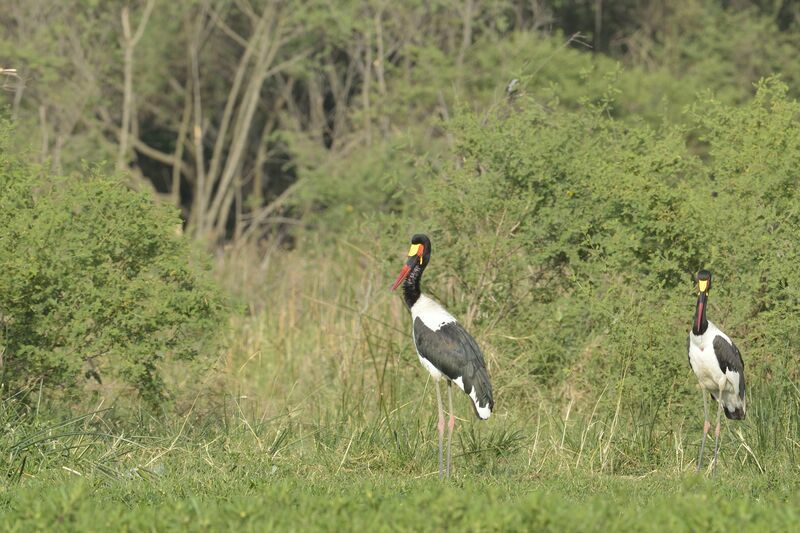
(319, 417)
(285, 500)
(98, 472)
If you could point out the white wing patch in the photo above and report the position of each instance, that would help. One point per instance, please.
(435, 373)
(483, 412)
(432, 314)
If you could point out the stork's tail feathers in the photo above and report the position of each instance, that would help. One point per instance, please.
(483, 411)
(736, 414)
(482, 398)
(479, 389)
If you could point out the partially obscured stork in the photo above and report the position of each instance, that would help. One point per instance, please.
(718, 365)
(444, 348)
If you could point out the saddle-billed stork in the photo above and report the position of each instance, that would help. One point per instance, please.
(444, 348)
(718, 365)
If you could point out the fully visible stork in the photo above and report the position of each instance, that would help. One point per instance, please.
(718, 365)
(444, 348)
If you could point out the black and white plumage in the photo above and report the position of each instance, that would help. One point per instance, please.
(452, 353)
(444, 347)
(718, 365)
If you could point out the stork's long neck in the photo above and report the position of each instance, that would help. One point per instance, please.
(411, 290)
(700, 324)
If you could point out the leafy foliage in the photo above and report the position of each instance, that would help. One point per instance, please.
(575, 236)
(329, 82)
(569, 211)
(95, 280)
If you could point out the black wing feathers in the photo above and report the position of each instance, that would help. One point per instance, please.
(455, 353)
(729, 358)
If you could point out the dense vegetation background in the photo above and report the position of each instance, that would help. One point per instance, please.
(575, 163)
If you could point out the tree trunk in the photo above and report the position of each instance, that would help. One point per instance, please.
(129, 45)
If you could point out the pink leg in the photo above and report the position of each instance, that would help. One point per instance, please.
(706, 427)
(440, 427)
(717, 431)
(450, 425)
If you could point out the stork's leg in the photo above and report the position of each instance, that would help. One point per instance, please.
(706, 427)
(440, 426)
(450, 424)
(716, 433)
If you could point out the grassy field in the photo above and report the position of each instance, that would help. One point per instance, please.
(192, 494)
(319, 416)
(282, 473)
(574, 163)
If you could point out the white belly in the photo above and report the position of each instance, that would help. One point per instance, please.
(430, 368)
(706, 367)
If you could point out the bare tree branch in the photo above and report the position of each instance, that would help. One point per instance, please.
(199, 207)
(466, 33)
(45, 144)
(177, 163)
(268, 48)
(266, 211)
(379, 70)
(227, 30)
(233, 96)
(247, 9)
(366, 73)
(140, 146)
(129, 43)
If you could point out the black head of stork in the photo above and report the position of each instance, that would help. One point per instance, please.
(718, 365)
(418, 257)
(444, 347)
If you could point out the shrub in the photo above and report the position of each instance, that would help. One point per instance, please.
(571, 240)
(95, 281)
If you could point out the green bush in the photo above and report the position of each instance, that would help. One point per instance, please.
(571, 240)
(95, 281)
